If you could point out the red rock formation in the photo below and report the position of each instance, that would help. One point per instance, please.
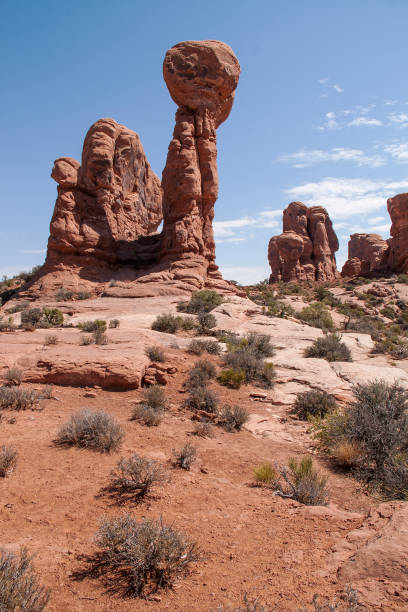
(305, 251)
(201, 77)
(398, 254)
(108, 202)
(366, 253)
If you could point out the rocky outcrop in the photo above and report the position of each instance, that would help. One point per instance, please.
(305, 251)
(398, 253)
(108, 202)
(366, 253)
(201, 77)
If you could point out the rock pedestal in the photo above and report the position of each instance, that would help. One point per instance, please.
(366, 253)
(398, 253)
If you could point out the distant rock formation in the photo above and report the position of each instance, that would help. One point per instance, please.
(398, 253)
(104, 205)
(305, 251)
(366, 253)
(201, 77)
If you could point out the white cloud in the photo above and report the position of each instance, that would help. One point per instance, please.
(245, 275)
(305, 158)
(270, 214)
(236, 230)
(399, 152)
(358, 121)
(226, 229)
(338, 88)
(324, 81)
(347, 197)
(400, 118)
(375, 220)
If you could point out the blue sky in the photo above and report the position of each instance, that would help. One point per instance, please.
(320, 114)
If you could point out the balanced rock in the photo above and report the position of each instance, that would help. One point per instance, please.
(366, 253)
(398, 253)
(201, 77)
(305, 251)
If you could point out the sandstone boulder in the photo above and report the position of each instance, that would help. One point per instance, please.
(366, 253)
(398, 253)
(305, 251)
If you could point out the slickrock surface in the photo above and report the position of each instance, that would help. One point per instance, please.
(366, 253)
(398, 211)
(305, 251)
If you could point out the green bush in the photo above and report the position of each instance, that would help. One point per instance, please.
(232, 418)
(324, 295)
(140, 557)
(114, 323)
(99, 336)
(313, 403)
(166, 323)
(265, 473)
(206, 323)
(83, 295)
(329, 347)
(253, 366)
(154, 397)
(64, 295)
(201, 301)
(6, 324)
(20, 589)
(202, 398)
(92, 326)
(197, 347)
(302, 482)
(231, 378)
(316, 315)
(53, 316)
(88, 429)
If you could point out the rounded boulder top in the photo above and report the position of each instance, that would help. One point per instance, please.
(202, 74)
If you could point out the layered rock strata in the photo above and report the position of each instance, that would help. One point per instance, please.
(305, 251)
(398, 252)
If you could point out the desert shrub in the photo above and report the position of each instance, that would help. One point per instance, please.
(50, 340)
(201, 301)
(99, 336)
(53, 317)
(259, 344)
(6, 324)
(203, 429)
(331, 430)
(206, 322)
(348, 453)
(166, 323)
(20, 589)
(277, 308)
(364, 325)
(147, 416)
(291, 288)
(154, 397)
(202, 398)
(317, 315)
(88, 429)
(31, 318)
(322, 294)
(232, 418)
(135, 476)
(231, 378)
(114, 323)
(201, 373)
(92, 326)
(253, 366)
(185, 457)
(86, 340)
(265, 473)
(83, 295)
(186, 323)
(197, 347)
(155, 353)
(8, 461)
(141, 557)
(400, 351)
(16, 398)
(403, 278)
(302, 482)
(64, 295)
(14, 376)
(46, 392)
(389, 312)
(329, 347)
(313, 403)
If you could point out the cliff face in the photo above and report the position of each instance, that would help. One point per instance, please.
(366, 253)
(305, 251)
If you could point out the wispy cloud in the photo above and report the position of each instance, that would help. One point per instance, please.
(345, 197)
(337, 88)
(237, 230)
(398, 151)
(325, 82)
(306, 158)
(401, 119)
(358, 121)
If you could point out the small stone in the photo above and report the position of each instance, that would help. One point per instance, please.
(258, 395)
(90, 394)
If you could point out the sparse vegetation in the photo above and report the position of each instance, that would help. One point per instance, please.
(20, 589)
(206, 323)
(6, 324)
(155, 353)
(197, 347)
(64, 295)
(203, 429)
(232, 418)
(34, 318)
(99, 337)
(154, 397)
(138, 558)
(185, 457)
(135, 477)
(302, 482)
(88, 429)
(114, 323)
(147, 416)
(50, 340)
(201, 301)
(231, 378)
(202, 398)
(14, 376)
(313, 403)
(8, 462)
(348, 453)
(92, 326)
(201, 373)
(253, 366)
(86, 340)
(16, 398)
(329, 347)
(171, 324)
(265, 473)
(316, 315)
